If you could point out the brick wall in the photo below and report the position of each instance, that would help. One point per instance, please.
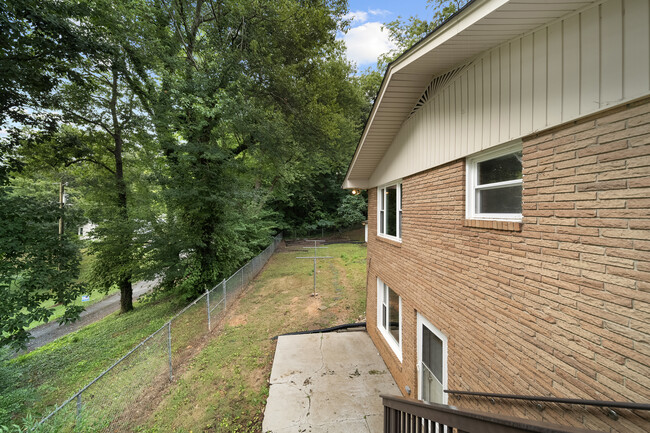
(558, 306)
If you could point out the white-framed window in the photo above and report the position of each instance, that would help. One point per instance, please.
(389, 316)
(389, 211)
(494, 184)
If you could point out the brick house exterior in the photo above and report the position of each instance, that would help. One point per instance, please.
(558, 305)
(553, 303)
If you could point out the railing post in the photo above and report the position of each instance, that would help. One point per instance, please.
(394, 421)
(169, 348)
(208, 302)
(78, 405)
(223, 283)
(386, 423)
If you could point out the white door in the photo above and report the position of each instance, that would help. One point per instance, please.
(432, 362)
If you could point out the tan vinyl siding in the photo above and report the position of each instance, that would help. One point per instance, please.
(588, 61)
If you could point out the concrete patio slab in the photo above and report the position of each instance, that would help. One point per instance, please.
(327, 383)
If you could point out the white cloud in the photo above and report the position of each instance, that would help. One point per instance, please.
(380, 12)
(365, 43)
(358, 17)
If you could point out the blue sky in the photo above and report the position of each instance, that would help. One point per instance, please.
(365, 41)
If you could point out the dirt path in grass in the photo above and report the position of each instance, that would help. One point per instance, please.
(48, 332)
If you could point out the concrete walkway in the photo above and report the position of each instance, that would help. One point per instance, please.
(327, 383)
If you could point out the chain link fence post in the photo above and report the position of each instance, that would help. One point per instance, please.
(169, 347)
(78, 405)
(208, 309)
(223, 283)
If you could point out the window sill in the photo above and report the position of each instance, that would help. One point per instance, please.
(509, 226)
(389, 241)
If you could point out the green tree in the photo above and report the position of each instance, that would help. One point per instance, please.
(352, 210)
(253, 97)
(405, 33)
(110, 127)
(37, 264)
(42, 41)
(105, 131)
(243, 113)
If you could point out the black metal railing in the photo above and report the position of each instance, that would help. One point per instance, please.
(599, 403)
(402, 415)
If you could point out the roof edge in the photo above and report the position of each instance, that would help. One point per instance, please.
(447, 24)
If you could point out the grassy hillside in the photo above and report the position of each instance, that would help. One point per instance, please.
(47, 376)
(220, 379)
(225, 386)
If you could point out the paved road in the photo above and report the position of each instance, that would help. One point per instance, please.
(49, 332)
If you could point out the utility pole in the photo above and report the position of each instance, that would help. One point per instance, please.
(315, 247)
(61, 204)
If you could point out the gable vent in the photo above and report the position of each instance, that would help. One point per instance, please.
(436, 85)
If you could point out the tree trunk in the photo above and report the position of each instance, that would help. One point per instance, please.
(126, 295)
(126, 289)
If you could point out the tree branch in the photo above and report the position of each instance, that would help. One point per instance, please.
(188, 49)
(206, 19)
(91, 160)
(239, 149)
(99, 123)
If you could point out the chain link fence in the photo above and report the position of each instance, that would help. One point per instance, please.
(117, 399)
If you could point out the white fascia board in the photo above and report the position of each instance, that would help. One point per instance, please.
(478, 10)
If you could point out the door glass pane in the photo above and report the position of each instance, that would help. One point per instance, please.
(431, 366)
(507, 167)
(499, 200)
(432, 352)
(391, 210)
(393, 314)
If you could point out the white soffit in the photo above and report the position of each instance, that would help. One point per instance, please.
(483, 24)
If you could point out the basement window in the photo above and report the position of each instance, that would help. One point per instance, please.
(494, 184)
(389, 316)
(389, 211)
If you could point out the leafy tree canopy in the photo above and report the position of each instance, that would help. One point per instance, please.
(36, 263)
(194, 130)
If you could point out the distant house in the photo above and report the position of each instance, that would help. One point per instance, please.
(507, 163)
(84, 230)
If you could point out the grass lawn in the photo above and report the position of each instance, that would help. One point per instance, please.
(58, 310)
(49, 375)
(224, 388)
